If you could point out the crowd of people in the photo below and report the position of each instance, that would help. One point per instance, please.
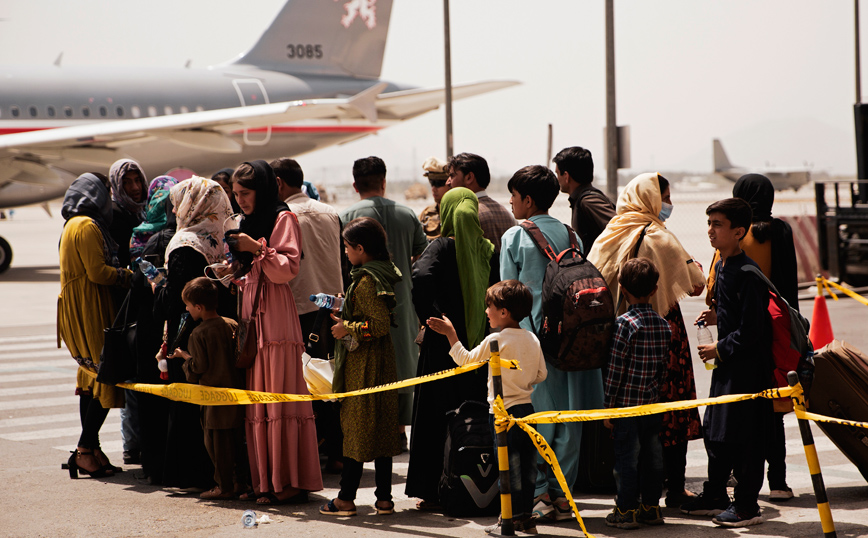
(248, 248)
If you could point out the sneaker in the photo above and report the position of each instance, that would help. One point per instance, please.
(522, 527)
(649, 515)
(542, 507)
(783, 494)
(703, 505)
(561, 509)
(733, 518)
(622, 520)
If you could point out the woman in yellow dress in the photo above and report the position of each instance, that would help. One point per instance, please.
(88, 270)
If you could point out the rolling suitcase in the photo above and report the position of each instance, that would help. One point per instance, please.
(840, 390)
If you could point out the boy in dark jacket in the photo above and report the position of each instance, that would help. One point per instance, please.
(211, 361)
(735, 434)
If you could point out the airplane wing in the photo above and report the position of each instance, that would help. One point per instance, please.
(406, 104)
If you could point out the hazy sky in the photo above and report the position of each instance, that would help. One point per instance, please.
(773, 79)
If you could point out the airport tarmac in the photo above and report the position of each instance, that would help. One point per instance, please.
(39, 424)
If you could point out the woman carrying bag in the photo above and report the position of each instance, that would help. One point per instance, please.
(638, 230)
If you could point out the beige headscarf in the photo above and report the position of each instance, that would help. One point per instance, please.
(201, 208)
(638, 206)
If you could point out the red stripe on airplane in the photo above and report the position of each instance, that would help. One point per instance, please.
(275, 129)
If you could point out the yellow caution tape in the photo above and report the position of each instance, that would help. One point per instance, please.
(822, 418)
(542, 446)
(204, 395)
(826, 283)
(555, 417)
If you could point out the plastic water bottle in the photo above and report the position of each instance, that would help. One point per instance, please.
(248, 519)
(152, 273)
(703, 334)
(324, 300)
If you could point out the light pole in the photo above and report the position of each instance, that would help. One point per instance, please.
(611, 124)
(448, 51)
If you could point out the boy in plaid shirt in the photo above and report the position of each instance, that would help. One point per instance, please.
(635, 375)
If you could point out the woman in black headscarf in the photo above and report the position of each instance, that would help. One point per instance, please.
(768, 242)
(88, 273)
(281, 437)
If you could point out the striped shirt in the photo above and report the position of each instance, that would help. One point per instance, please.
(640, 352)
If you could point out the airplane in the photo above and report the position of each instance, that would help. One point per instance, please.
(309, 82)
(782, 179)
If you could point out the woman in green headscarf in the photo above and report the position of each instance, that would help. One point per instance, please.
(449, 278)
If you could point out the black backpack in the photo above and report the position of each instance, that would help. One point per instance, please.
(468, 485)
(577, 308)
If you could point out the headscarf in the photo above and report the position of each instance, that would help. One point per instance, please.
(89, 197)
(156, 217)
(385, 275)
(459, 217)
(638, 207)
(757, 190)
(260, 223)
(227, 171)
(119, 195)
(201, 208)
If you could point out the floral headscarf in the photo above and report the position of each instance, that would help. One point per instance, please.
(119, 195)
(201, 208)
(156, 217)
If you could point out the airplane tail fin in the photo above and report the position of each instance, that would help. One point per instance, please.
(324, 37)
(721, 162)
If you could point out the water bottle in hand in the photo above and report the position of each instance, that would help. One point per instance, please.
(703, 334)
(152, 273)
(324, 300)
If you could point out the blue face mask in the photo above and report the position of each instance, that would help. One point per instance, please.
(665, 211)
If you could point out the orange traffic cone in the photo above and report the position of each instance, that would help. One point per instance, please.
(821, 326)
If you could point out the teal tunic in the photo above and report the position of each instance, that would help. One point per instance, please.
(406, 240)
(561, 391)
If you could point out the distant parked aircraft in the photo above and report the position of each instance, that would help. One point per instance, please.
(781, 178)
(311, 81)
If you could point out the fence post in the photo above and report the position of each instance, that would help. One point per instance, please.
(811, 455)
(506, 526)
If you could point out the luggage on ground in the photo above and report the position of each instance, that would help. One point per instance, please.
(840, 390)
(468, 485)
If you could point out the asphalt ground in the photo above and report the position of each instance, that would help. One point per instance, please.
(39, 425)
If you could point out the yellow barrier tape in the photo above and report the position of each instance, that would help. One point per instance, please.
(851, 293)
(822, 418)
(204, 395)
(555, 417)
(542, 446)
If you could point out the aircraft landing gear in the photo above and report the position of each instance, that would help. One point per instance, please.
(5, 255)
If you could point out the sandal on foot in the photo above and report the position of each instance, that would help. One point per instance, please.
(330, 509)
(382, 511)
(428, 506)
(249, 496)
(272, 499)
(216, 494)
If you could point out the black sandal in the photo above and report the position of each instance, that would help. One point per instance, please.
(74, 468)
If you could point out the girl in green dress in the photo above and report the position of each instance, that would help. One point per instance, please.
(369, 423)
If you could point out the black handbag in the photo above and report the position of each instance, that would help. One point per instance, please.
(117, 362)
(246, 339)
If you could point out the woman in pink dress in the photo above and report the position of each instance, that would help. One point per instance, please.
(281, 437)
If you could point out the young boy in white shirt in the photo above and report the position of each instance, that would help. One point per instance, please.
(507, 303)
